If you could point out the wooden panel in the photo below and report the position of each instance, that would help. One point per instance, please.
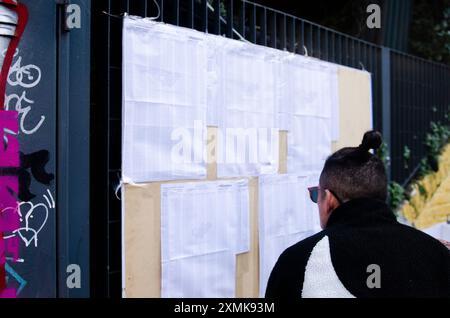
(355, 112)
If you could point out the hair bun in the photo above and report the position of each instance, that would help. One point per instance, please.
(371, 140)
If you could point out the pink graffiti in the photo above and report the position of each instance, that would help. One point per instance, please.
(9, 152)
(9, 220)
(8, 293)
(9, 145)
(9, 188)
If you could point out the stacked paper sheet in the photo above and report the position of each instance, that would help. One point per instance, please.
(203, 226)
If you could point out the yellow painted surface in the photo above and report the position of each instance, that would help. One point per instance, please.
(433, 206)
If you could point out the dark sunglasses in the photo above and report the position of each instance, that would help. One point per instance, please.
(314, 194)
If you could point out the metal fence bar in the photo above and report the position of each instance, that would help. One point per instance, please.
(263, 27)
(216, 24)
(282, 21)
(386, 112)
(339, 49)
(161, 9)
(204, 15)
(252, 21)
(273, 29)
(230, 18)
(302, 37)
(241, 27)
(318, 50)
(190, 14)
(292, 35)
(177, 12)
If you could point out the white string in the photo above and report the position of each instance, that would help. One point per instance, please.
(118, 187)
(122, 182)
(362, 66)
(159, 14)
(149, 18)
(306, 50)
(125, 14)
(159, 11)
(114, 15)
(210, 7)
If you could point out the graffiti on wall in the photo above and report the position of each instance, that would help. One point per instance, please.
(26, 76)
(23, 214)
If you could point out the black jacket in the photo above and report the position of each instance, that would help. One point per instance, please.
(336, 262)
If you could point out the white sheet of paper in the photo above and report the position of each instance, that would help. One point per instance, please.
(285, 218)
(247, 151)
(204, 217)
(201, 276)
(241, 102)
(309, 144)
(164, 102)
(270, 251)
(282, 204)
(200, 219)
(308, 86)
(233, 200)
(234, 84)
(335, 116)
(188, 228)
(309, 108)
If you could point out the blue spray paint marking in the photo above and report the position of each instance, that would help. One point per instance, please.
(22, 282)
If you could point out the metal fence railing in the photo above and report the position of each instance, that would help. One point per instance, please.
(415, 93)
(420, 95)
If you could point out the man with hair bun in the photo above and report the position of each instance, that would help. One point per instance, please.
(362, 250)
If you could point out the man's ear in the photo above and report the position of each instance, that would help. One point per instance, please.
(332, 202)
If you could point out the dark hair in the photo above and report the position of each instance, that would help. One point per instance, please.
(354, 172)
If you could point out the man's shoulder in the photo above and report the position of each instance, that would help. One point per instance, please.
(302, 248)
(286, 278)
(424, 241)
